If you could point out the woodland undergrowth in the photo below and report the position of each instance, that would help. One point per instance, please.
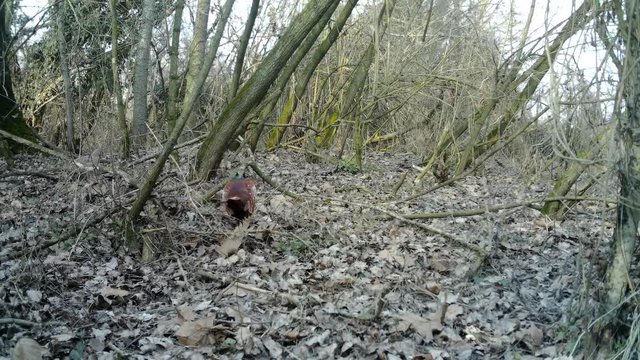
(334, 268)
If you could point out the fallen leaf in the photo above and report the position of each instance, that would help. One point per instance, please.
(453, 311)
(62, 337)
(422, 326)
(28, 349)
(186, 313)
(34, 295)
(112, 264)
(433, 287)
(275, 350)
(111, 292)
(395, 255)
(243, 336)
(199, 332)
(531, 336)
(98, 340)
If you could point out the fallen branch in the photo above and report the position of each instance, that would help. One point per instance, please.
(126, 177)
(19, 322)
(211, 193)
(35, 146)
(273, 184)
(29, 173)
(496, 208)
(475, 248)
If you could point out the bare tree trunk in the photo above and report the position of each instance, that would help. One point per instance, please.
(141, 75)
(628, 168)
(187, 108)
(172, 97)
(242, 47)
(196, 50)
(66, 73)
(11, 119)
(117, 89)
(253, 91)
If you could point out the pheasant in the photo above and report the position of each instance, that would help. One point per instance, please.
(239, 196)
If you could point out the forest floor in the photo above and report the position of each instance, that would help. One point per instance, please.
(330, 275)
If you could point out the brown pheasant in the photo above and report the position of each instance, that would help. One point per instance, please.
(239, 197)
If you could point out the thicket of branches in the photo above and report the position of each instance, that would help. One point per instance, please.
(425, 78)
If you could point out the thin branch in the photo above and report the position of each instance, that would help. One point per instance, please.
(28, 173)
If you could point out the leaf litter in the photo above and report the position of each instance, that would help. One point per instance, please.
(316, 278)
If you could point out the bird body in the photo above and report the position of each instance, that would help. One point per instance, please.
(239, 197)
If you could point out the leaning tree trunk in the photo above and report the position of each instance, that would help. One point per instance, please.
(242, 47)
(303, 82)
(512, 81)
(141, 75)
(285, 75)
(59, 14)
(188, 106)
(628, 168)
(117, 89)
(253, 91)
(11, 120)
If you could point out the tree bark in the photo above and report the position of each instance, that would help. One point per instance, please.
(567, 180)
(628, 168)
(196, 50)
(11, 119)
(59, 12)
(358, 80)
(253, 91)
(172, 96)
(117, 89)
(287, 72)
(141, 75)
(242, 47)
(306, 74)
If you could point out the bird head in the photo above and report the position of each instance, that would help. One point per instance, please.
(238, 175)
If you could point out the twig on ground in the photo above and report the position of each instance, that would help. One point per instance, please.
(495, 208)
(28, 173)
(270, 181)
(476, 249)
(211, 193)
(184, 276)
(376, 309)
(36, 146)
(19, 322)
